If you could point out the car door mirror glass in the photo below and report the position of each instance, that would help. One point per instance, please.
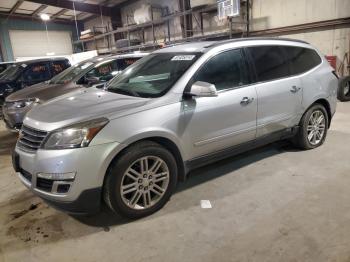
(202, 89)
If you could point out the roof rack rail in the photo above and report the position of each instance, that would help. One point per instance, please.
(255, 38)
(184, 41)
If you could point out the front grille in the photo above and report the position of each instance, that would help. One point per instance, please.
(30, 139)
(44, 184)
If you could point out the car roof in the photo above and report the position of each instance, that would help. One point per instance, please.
(7, 63)
(31, 61)
(204, 46)
(100, 59)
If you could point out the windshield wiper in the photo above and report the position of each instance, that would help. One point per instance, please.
(124, 92)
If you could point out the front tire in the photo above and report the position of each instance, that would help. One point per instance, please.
(141, 180)
(313, 128)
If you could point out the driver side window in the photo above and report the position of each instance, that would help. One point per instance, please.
(225, 70)
(103, 72)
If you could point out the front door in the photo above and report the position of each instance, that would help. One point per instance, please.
(215, 123)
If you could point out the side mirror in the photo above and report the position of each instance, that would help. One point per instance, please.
(91, 81)
(100, 86)
(21, 83)
(9, 90)
(202, 89)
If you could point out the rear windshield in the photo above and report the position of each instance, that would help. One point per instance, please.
(153, 75)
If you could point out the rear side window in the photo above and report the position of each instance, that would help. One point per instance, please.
(302, 59)
(59, 66)
(37, 73)
(225, 70)
(270, 62)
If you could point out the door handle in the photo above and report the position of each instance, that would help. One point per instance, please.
(246, 100)
(295, 89)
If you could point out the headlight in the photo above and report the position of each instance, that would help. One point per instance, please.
(77, 135)
(23, 103)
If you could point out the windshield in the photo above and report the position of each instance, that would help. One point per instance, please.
(12, 72)
(153, 75)
(71, 73)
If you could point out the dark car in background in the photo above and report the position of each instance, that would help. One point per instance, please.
(92, 72)
(22, 74)
(5, 65)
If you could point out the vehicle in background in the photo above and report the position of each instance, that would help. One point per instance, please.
(177, 109)
(4, 66)
(22, 74)
(92, 72)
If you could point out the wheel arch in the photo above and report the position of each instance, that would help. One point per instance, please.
(327, 106)
(163, 141)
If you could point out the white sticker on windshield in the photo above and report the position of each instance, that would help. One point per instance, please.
(23, 65)
(183, 58)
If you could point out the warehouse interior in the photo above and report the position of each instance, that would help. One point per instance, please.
(272, 203)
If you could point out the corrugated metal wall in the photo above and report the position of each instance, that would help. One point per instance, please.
(19, 24)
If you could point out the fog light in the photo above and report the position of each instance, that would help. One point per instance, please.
(57, 176)
(63, 188)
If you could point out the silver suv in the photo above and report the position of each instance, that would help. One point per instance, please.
(177, 109)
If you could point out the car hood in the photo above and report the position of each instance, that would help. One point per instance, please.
(42, 91)
(81, 105)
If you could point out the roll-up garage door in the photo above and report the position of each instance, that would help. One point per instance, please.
(32, 43)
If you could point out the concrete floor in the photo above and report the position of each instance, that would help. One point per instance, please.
(272, 204)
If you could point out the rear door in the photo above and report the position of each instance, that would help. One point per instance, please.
(279, 93)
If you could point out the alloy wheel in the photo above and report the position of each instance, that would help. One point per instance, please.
(316, 127)
(145, 182)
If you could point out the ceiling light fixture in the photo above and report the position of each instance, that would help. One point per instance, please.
(45, 17)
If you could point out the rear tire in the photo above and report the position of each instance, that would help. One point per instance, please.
(313, 128)
(344, 89)
(141, 180)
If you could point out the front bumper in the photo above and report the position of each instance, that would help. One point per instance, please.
(84, 191)
(88, 202)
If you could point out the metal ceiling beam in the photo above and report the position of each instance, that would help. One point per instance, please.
(30, 17)
(16, 6)
(38, 10)
(79, 6)
(62, 12)
(106, 2)
(88, 18)
(125, 3)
